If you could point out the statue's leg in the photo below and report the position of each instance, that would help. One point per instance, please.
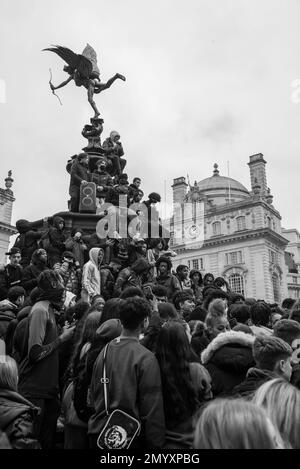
(91, 101)
(109, 82)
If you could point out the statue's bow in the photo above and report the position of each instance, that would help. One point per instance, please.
(51, 86)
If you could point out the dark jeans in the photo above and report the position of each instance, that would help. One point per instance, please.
(74, 204)
(45, 423)
(76, 437)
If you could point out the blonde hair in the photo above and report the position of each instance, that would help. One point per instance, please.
(216, 310)
(235, 424)
(8, 373)
(281, 400)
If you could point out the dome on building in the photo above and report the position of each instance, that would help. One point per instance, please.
(220, 182)
(220, 189)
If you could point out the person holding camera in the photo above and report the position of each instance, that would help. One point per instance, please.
(77, 245)
(70, 272)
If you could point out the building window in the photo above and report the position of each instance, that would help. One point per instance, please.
(276, 288)
(273, 257)
(189, 264)
(236, 283)
(269, 222)
(197, 264)
(295, 280)
(216, 226)
(234, 258)
(241, 223)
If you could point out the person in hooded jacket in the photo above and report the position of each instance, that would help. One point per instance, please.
(31, 272)
(114, 151)
(28, 238)
(91, 279)
(17, 414)
(57, 238)
(227, 359)
(132, 276)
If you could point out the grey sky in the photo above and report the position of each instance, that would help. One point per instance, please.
(207, 81)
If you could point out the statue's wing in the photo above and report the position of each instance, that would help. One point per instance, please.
(76, 61)
(91, 55)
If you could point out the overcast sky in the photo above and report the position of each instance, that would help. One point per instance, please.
(207, 81)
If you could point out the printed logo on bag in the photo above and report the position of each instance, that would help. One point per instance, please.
(115, 437)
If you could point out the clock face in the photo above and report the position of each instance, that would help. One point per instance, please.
(193, 231)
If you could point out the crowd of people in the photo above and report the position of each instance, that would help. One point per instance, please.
(104, 344)
(195, 364)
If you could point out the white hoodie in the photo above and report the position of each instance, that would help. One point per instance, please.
(91, 274)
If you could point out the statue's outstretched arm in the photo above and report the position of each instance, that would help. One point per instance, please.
(64, 83)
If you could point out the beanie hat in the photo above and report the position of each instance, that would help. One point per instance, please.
(68, 255)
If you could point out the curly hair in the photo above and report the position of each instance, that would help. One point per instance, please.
(172, 353)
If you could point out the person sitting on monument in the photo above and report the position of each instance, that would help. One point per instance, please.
(27, 241)
(155, 228)
(11, 274)
(70, 272)
(134, 188)
(56, 241)
(119, 190)
(138, 197)
(102, 179)
(79, 175)
(137, 249)
(31, 273)
(118, 211)
(114, 151)
(70, 162)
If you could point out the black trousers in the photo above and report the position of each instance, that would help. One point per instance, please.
(46, 421)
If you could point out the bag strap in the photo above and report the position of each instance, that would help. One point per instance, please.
(104, 380)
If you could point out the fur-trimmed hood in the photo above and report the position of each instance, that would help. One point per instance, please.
(231, 339)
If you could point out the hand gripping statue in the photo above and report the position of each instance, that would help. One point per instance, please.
(83, 69)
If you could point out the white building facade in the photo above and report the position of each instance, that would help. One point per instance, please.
(242, 233)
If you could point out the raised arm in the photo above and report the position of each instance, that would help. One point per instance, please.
(64, 83)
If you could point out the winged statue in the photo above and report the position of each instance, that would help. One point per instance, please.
(84, 70)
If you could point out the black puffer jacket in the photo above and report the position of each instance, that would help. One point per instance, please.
(31, 272)
(27, 241)
(8, 313)
(227, 359)
(16, 420)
